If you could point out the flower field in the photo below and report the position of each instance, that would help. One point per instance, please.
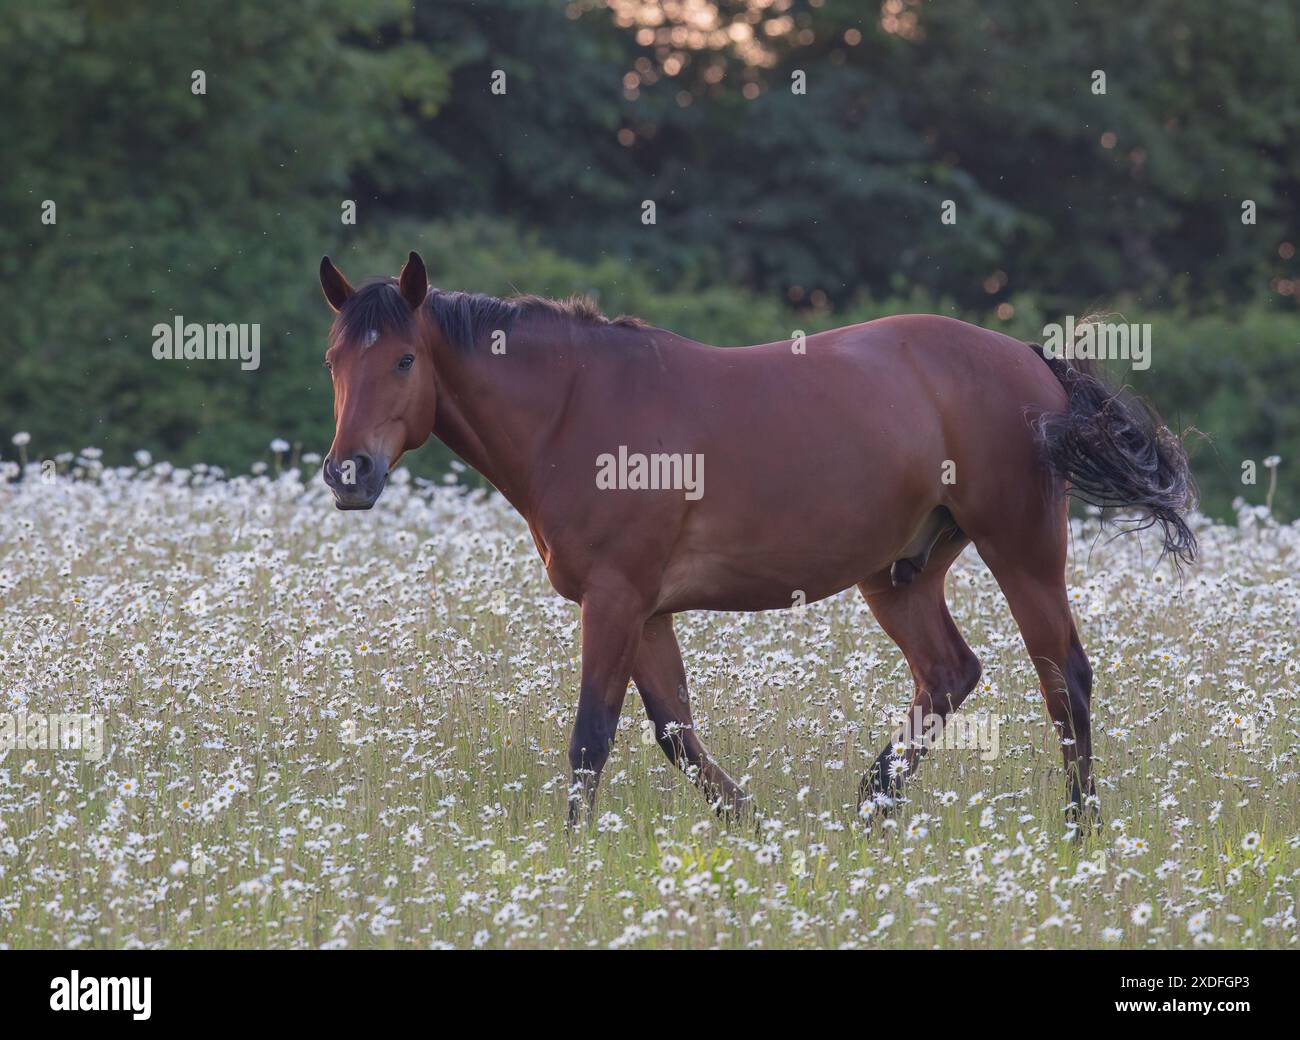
(326, 729)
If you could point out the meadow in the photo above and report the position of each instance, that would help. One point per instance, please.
(330, 729)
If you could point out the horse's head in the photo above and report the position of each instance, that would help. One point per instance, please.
(381, 362)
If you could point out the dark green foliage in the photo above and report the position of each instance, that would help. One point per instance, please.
(775, 210)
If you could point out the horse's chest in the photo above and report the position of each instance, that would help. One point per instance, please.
(563, 579)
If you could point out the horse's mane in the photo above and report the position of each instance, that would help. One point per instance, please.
(465, 318)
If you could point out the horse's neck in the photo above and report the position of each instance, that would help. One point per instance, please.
(496, 410)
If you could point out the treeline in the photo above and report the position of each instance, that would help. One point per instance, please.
(799, 157)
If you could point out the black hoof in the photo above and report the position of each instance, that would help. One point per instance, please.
(1085, 821)
(879, 792)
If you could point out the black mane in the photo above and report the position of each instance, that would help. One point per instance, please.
(467, 318)
(464, 318)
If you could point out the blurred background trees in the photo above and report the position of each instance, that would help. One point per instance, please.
(776, 209)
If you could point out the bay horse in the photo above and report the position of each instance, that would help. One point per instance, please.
(870, 455)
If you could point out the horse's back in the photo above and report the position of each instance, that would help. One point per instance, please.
(839, 453)
(945, 350)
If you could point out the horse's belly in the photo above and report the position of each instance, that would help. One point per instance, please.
(751, 579)
(788, 555)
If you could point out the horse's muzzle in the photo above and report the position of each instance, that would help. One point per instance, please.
(358, 482)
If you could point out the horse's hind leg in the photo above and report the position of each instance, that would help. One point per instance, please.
(944, 668)
(1029, 565)
(661, 678)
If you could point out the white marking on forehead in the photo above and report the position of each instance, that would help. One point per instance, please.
(370, 338)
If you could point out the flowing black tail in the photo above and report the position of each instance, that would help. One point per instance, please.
(1114, 450)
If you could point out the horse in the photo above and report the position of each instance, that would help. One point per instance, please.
(869, 456)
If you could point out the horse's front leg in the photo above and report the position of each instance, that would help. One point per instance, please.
(661, 678)
(612, 616)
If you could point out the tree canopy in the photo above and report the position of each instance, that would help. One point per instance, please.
(799, 156)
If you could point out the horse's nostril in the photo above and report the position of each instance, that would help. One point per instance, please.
(364, 464)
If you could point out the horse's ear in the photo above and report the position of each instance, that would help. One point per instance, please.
(413, 281)
(337, 289)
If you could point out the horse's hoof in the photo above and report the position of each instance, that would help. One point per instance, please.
(738, 809)
(1083, 822)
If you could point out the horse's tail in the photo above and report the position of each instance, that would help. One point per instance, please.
(1114, 450)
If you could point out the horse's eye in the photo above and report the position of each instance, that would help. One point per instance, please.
(407, 361)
